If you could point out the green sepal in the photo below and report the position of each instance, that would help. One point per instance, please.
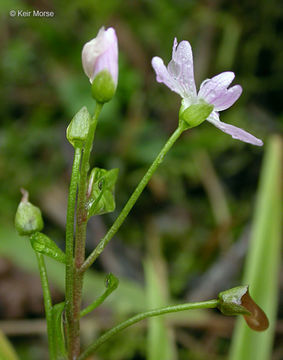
(28, 219)
(58, 331)
(230, 301)
(44, 245)
(194, 115)
(103, 87)
(101, 191)
(78, 128)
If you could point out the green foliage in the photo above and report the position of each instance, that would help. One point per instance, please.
(42, 244)
(43, 85)
(59, 338)
(263, 260)
(159, 342)
(78, 128)
(101, 191)
(7, 351)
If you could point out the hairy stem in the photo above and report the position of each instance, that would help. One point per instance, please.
(70, 244)
(131, 202)
(81, 224)
(161, 311)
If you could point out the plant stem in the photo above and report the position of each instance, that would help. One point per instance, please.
(70, 244)
(131, 202)
(164, 310)
(47, 304)
(81, 235)
(97, 302)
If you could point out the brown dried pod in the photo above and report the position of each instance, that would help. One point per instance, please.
(257, 320)
(237, 301)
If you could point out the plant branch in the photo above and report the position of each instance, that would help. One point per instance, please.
(47, 304)
(161, 311)
(131, 202)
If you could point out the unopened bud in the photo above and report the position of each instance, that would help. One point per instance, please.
(77, 130)
(28, 219)
(100, 63)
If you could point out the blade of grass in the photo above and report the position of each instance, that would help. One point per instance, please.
(160, 343)
(263, 259)
(7, 352)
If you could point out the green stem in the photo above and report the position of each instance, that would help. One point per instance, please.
(131, 202)
(97, 302)
(81, 234)
(47, 304)
(161, 311)
(70, 243)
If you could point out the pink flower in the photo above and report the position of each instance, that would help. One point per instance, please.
(101, 53)
(179, 77)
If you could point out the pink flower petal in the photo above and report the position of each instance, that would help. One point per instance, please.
(108, 60)
(183, 56)
(163, 76)
(101, 53)
(215, 91)
(227, 98)
(234, 131)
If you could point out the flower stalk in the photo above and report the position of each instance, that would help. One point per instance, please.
(47, 304)
(210, 304)
(132, 200)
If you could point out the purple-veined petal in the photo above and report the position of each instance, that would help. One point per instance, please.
(108, 60)
(163, 76)
(234, 131)
(215, 89)
(227, 99)
(105, 41)
(183, 56)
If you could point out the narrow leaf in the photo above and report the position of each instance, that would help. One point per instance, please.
(57, 314)
(263, 259)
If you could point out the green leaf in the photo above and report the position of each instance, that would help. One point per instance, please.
(58, 330)
(263, 260)
(7, 352)
(44, 245)
(101, 191)
(159, 341)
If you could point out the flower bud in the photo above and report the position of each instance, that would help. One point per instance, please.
(100, 63)
(238, 301)
(77, 130)
(195, 114)
(28, 219)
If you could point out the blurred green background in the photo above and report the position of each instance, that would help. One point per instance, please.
(189, 230)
